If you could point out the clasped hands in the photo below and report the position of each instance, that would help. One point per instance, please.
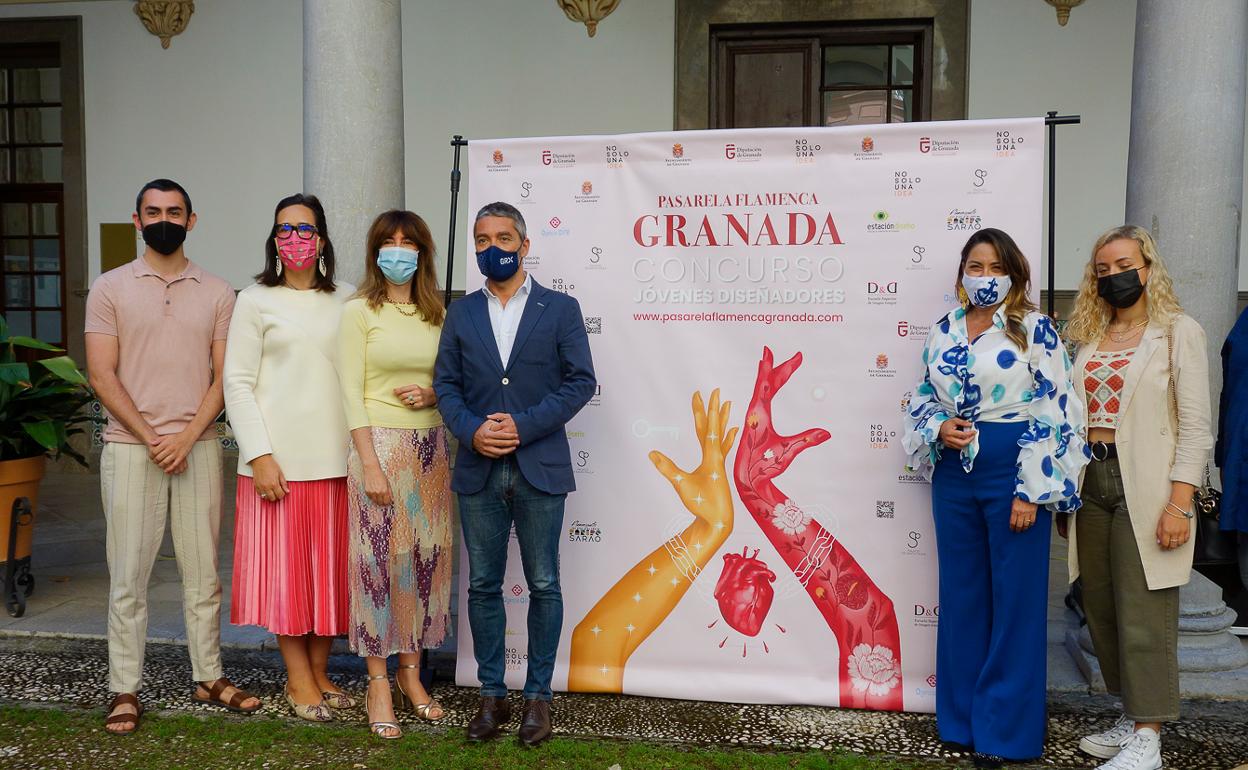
(170, 451)
(497, 436)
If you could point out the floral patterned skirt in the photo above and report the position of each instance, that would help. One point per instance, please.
(399, 555)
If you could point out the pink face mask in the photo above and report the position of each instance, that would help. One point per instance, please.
(296, 253)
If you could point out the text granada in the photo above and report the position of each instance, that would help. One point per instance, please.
(795, 228)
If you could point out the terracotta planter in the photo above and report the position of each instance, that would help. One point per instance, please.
(18, 478)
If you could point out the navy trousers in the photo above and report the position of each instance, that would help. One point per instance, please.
(991, 641)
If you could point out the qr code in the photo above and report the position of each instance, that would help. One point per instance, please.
(593, 325)
(884, 509)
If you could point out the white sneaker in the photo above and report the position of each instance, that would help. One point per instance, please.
(1139, 751)
(1105, 745)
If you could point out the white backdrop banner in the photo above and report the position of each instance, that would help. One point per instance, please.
(756, 300)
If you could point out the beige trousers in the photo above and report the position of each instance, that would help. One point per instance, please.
(137, 497)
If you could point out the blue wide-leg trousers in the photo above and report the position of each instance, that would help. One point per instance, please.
(991, 640)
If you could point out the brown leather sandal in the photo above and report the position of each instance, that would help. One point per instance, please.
(124, 699)
(214, 697)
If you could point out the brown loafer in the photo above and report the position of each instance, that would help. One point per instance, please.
(491, 715)
(124, 699)
(535, 724)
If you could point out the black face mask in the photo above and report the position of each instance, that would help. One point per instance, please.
(1122, 290)
(164, 236)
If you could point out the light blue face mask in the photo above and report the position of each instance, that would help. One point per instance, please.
(397, 263)
(986, 290)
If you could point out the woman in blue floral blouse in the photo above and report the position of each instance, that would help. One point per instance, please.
(994, 426)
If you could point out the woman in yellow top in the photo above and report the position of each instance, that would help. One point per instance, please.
(398, 470)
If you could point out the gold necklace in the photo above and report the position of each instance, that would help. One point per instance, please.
(399, 307)
(1125, 334)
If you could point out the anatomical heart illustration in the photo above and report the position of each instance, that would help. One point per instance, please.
(744, 592)
(856, 611)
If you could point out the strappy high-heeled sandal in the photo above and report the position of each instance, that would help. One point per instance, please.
(403, 700)
(379, 728)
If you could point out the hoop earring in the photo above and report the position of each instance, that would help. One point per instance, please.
(320, 264)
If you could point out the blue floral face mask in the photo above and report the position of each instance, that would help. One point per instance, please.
(397, 264)
(986, 290)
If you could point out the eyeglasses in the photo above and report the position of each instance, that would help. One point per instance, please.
(304, 231)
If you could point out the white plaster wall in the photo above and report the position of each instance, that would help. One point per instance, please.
(220, 111)
(1023, 63)
(502, 68)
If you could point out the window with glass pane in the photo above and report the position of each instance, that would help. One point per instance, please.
(31, 191)
(866, 84)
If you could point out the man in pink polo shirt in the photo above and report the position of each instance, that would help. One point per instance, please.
(155, 336)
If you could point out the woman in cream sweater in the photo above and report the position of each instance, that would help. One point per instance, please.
(285, 406)
(1145, 380)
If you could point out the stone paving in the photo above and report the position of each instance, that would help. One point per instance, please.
(73, 673)
(55, 655)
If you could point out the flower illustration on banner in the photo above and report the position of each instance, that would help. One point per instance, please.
(789, 518)
(873, 669)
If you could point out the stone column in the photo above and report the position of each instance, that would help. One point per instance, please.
(1185, 176)
(353, 117)
(1185, 165)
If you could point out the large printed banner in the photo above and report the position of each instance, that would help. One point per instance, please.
(756, 300)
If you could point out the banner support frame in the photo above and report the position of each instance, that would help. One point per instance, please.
(1053, 120)
(457, 141)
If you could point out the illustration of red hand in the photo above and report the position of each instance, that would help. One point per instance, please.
(642, 599)
(860, 615)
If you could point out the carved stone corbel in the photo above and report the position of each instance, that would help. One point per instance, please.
(588, 12)
(164, 18)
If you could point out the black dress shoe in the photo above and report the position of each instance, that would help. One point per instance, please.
(491, 714)
(988, 761)
(957, 748)
(535, 724)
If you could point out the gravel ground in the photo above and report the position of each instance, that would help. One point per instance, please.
(72, 673)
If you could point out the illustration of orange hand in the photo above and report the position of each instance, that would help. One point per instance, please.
(643, 598)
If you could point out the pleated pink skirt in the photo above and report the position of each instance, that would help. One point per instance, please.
(290, 559)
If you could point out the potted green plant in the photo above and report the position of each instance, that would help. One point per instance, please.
(41, 406)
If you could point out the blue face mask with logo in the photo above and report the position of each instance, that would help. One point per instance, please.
(398, 264)
(986, 290)
(498, 265)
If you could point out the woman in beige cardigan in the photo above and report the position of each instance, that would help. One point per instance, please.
(1145, 381)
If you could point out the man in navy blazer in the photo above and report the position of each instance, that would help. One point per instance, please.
(513, 367)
